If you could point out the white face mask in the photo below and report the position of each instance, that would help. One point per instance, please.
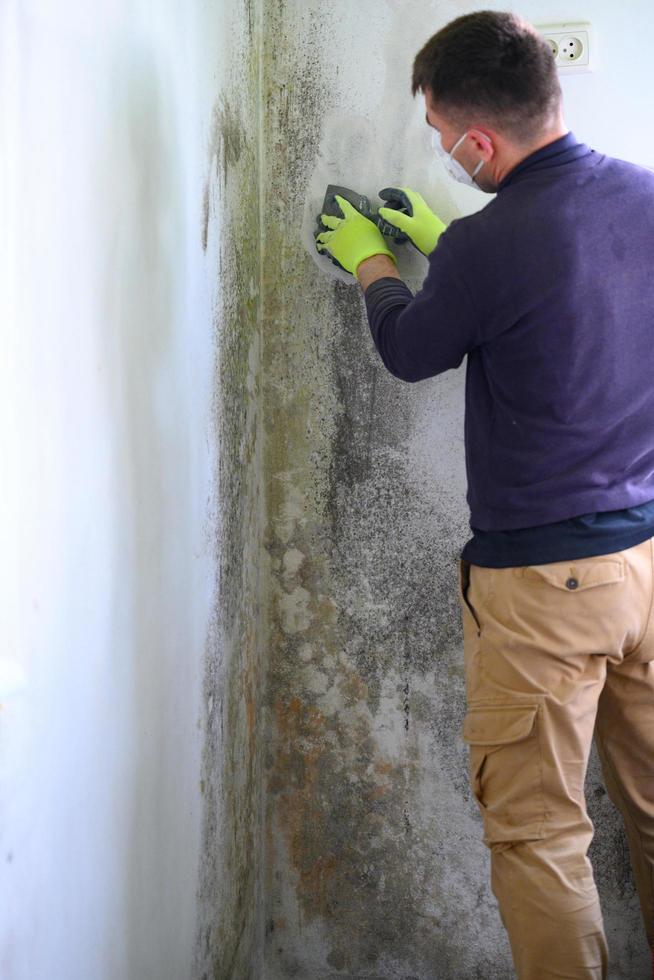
(453, 167)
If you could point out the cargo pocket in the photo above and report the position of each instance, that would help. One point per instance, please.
(466, 606)
(505, 770)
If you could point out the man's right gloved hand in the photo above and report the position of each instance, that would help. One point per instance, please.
(415, 219)
(351, 239)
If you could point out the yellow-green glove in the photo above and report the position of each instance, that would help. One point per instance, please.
(351, 239)
(415, 218)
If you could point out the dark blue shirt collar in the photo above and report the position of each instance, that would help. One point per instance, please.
(561, 150)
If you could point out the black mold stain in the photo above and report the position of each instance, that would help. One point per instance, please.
(249, 14)
(336, 432)
(230, 926)
(226, 143)
(344, 841)
(228, 136)
(205, 214)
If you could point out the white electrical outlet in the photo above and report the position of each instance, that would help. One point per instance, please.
(573, 45)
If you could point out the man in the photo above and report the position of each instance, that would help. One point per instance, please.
(549, 290)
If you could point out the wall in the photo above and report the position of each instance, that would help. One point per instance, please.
(129, 769)
(230, 928)
(374, 864)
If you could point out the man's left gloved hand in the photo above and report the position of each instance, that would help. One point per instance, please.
(351, 239)
(414, 218)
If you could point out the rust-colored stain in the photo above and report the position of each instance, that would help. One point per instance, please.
(298, 721)
(302, 729)
(352, 688)
(337, 803)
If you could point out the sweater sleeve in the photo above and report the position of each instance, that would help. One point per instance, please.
(420, 336)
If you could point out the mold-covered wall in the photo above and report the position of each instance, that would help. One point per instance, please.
(229, 940)
(375, 865)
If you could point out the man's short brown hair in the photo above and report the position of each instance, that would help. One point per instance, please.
(491, 66)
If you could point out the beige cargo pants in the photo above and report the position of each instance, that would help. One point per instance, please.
(553, 654)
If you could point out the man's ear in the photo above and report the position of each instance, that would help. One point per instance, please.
(484, 144)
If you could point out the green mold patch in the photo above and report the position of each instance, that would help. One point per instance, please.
(340, 841)
(228, 942)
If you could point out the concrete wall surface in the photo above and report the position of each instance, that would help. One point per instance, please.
(375, 864)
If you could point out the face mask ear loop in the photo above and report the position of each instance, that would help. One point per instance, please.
(456, 146)
(458, 143)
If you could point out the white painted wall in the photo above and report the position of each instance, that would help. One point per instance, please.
(105, 314)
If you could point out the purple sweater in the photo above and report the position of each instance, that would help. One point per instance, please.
(549, 290)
